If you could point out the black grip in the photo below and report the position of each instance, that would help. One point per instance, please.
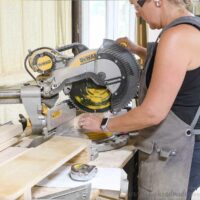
(76, 48)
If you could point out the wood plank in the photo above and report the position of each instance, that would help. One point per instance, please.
(9, 131)
(8, 143)
(114, 158)
(10, 153)
(26, 196)
(83, 157)
(30, 167)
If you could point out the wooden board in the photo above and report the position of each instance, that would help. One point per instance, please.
(10, 153)
(8, 143)
(32, 166)
(114, 158)
(9, 131)
(83, 157)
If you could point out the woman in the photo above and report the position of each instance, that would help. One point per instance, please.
(167, 116)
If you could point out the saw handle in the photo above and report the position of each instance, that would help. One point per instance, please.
(23, 121)
(76, 48)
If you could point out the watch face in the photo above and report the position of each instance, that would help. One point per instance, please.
(104, 121)
(104, 124)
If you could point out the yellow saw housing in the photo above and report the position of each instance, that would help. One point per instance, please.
(44, 63)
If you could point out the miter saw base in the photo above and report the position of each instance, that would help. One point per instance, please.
(114, 142)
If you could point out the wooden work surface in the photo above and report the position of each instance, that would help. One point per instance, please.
(31, 166)
(115, 158)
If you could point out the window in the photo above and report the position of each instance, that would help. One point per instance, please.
(106, 19)
(28, 25)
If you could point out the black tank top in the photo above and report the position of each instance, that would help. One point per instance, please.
(188, 98)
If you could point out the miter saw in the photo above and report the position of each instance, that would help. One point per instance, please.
(100, 80)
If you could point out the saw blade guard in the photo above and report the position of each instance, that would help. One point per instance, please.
(128, 81)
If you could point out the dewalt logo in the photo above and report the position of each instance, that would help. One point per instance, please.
(84, 58)
(88, 58)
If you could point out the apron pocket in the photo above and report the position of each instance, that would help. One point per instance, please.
(145, 175)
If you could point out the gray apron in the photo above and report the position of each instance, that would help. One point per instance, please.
(166, 149)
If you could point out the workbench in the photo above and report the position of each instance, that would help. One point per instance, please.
(115, 158)
(111, 159)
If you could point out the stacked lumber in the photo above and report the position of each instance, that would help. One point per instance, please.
(21, 173)
(8, 135)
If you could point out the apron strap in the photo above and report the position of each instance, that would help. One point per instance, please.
(196, 117)
(194, 122)
(191, 20)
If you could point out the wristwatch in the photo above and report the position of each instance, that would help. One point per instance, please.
(104, 124)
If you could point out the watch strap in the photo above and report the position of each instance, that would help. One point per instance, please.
(104, 124)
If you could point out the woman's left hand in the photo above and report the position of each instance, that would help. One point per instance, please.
(90, 122)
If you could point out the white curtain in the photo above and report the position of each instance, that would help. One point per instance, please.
(112, 19)
(24, 25)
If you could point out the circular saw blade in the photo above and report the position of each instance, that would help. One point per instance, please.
(90, 97)
(129, 69)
